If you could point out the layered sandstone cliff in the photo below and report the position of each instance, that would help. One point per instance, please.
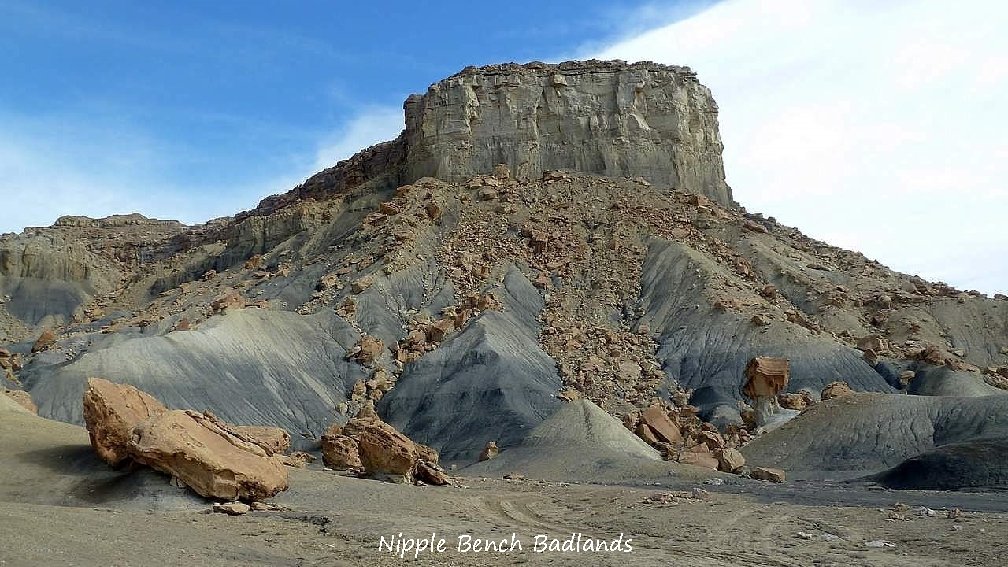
(604, 117)
(608, 118)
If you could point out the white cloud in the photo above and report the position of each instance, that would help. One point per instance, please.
(370, 126)
(880, 123)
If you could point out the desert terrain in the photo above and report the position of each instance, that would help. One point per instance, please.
(536, 320)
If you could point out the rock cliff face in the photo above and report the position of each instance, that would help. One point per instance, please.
(604, 117)
(608, 118)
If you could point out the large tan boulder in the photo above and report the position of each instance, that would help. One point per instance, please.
(274, 439)
(203, 453)
(705, 460)
(729, 460)
(385, 451)
(377, 449)
(340, 452)
(111, 411)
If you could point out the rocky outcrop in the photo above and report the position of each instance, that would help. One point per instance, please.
(612, 118)
(111, 411)
(489, 452)
(606, 117)
(207, 456)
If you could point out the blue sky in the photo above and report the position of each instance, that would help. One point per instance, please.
(212, 105)
(876, 126)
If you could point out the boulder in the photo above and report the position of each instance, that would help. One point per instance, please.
(340, 452)
(275, 440)
(203, 453)
(377, 449)
(767, 473)
(111, 411)
(45, 340)
(23, 399)
(231, 508)
(297, 459)
(658, 420)
(835, 390)
(428, 473)
(646, 434)
(385, 451)
(705, 460)
(729, 460)
(793, 401)
(368, 350)
(489, 452)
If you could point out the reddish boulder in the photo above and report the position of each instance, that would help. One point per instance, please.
(658, 420)
(45, 340)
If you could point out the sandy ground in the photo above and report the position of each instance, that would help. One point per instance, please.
(58, 506)
(338, 521)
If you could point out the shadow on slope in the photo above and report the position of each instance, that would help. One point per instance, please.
(860, 434)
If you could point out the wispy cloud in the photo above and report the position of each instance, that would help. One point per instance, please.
(881, 122)
(369, 126)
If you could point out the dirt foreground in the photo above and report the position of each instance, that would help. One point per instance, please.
(59, 505)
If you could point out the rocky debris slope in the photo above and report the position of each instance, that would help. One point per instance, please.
(466, 309)
(578, 442)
